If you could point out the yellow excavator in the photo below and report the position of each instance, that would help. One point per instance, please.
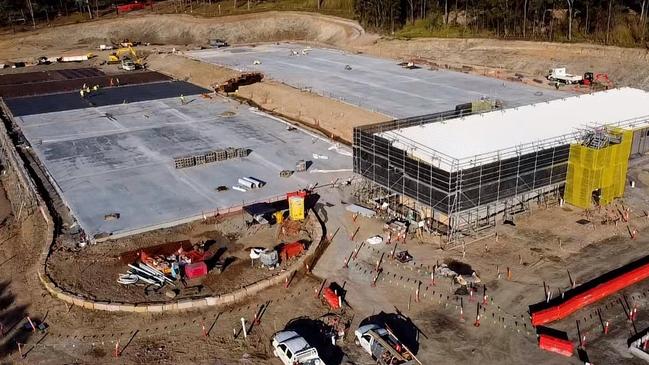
(116, 57)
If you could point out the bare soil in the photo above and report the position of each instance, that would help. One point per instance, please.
(531, 249)
(92, 271)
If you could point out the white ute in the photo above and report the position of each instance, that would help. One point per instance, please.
(128, 65)
(293, 349)
(560, 75)
(384, 347)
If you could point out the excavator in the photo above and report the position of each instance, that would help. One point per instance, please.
(124, 52)
(598, 81)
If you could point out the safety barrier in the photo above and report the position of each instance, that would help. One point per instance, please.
(557, 345)
(590, 292)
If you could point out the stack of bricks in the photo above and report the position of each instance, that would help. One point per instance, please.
(209, 157)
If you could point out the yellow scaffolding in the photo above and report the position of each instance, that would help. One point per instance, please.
(598, 171)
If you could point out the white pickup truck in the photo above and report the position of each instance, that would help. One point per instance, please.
(384, 347)
(560, 75)
(292, 349)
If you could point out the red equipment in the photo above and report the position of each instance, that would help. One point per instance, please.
(558, 345)
(130, 7)
(592, 79)
(331, 298)
(195, 270)
(290, 250)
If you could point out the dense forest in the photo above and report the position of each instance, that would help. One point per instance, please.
(619, 22)
(615, 22)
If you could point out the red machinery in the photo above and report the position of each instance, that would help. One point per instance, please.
(291, 250)
(597, 79)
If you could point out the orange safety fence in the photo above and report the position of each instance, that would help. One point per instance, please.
(590, 292)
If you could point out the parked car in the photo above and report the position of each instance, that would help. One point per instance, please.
(128, 65)
(382, 345)
(292, 349)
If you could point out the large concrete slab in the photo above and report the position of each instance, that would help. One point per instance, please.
(105, 96)
(373, 83)
(124, 163)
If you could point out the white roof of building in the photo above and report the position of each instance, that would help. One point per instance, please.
(467, 137)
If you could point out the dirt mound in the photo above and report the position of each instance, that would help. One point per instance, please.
(182, 68)
(189, 30)
(499, 58)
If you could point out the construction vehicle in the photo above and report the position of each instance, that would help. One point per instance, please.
(383, 345)
(128, 65)
(293, 349)
(596, 80)
(217, 43)
(125, 52)
(560, 75)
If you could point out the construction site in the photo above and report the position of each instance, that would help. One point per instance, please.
(289, 188)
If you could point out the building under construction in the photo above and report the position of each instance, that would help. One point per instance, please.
(460, 173)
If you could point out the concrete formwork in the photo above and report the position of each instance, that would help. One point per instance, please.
(119, 158)
(373, 83)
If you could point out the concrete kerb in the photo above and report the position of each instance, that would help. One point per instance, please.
(183, 304)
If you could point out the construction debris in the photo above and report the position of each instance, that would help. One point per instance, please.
(301, 166)
(403, 257)
(357, 209)
(285, 173)
(233, 84)
(111, 216)
(269, 258)
(374, 240)
(161, 270)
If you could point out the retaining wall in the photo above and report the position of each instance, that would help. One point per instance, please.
(188, 304)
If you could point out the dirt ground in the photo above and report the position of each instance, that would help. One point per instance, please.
(433, 325)
(92, 271)
(548, 246)
(542, 247)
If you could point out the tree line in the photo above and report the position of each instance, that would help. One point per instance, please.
(616, 22)
(621, 22)
(31, 12)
